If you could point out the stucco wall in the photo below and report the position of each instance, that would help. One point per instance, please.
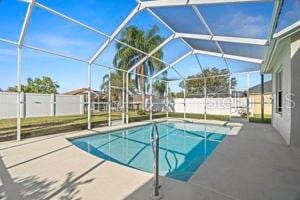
(256, 103)
(295, 90)
(282, 122)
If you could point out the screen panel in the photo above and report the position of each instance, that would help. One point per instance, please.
(289, 14)
(12, 18)
(205, 45)
(105, 16)
(144, 32)
(239, 19)
(8, 95)
(181, 19)
(54, 33)
(246, 50)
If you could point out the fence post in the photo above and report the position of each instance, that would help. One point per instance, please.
(23, 105)
(52, 104)
(81, 104)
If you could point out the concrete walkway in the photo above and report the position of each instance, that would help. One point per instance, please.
(255, 164)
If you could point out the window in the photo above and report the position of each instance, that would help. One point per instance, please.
(279, 91)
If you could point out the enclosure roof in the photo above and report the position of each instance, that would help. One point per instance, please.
(237, 32)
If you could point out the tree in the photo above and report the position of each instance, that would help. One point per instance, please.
(126, 57)
(116, 79)
(44, 85)
(159, 87)
(216, 82)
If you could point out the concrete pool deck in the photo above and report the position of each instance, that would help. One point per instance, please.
(253, 164)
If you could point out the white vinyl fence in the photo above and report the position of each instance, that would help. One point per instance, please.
(216, 106)
(40, 105)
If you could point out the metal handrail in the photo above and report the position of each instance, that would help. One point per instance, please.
(155, 148)
(168, 162)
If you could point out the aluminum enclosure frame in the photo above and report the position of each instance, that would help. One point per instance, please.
(144, 5)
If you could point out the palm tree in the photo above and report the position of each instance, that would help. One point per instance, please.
(160, 88)
(126, 57)
(116, 79)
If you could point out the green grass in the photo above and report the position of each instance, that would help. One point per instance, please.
(257, 119)
(37, 126)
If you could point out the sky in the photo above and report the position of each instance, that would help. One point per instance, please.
(50, 32)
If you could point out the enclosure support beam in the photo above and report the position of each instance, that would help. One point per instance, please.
(123, 99)
(262, 99)
(127, 97)
(166, 3)
(109, 98)
(19, 95)
(205, 99)
(19, 57)
(242, 58)
(248, 98)
(184, 96)
(172, 64)
(151, 99)
(167, 106)
(152, 53)
(223, 38)
(115, 33)
(26, 22)
(89, 74)
(230, 97)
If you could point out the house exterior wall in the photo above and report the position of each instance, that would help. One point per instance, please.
(282, 122)
(287, 57)
(295, 90)
(256, 103)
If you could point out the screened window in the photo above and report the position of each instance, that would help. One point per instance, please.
(279, 91)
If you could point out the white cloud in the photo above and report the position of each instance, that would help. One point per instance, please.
(244, 25)
(291, 14)
(60, 43)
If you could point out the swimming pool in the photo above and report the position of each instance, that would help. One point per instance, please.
(183, 147)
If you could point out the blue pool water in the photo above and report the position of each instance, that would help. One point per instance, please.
(183, 147)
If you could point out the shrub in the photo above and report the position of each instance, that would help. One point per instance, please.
(141, 112)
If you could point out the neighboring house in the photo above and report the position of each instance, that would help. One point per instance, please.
(255, 98)
(136, 102)
(284, 64)
(98, 98)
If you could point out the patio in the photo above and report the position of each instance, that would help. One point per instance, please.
(80, 68)
(254, 164)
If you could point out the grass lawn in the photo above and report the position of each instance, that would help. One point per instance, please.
(37, 126)
(257, 119)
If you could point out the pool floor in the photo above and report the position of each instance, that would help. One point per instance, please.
(183, 147)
